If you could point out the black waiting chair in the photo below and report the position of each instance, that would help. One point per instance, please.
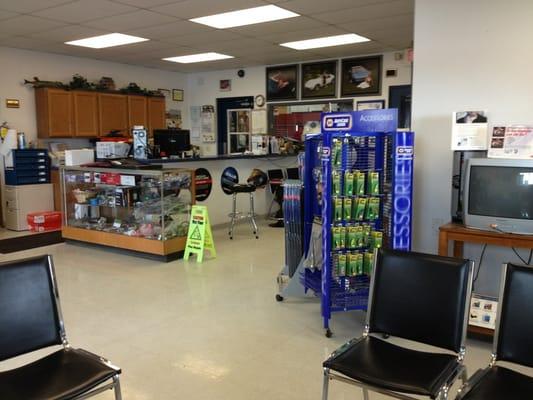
(30, 319)
(512, 342)
(414, 296)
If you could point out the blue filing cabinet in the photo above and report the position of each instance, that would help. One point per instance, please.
(30, 166)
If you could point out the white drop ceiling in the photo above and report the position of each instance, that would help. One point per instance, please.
(45, 25)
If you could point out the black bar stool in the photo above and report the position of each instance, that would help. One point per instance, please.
(230, 185)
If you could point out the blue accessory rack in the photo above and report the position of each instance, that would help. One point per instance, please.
(370, 142)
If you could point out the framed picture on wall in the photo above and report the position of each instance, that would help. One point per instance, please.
(282, 82)
(177, 94)
(361, 76)
(370, 105)
(319, 80)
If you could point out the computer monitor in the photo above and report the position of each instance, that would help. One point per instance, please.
(172, 142)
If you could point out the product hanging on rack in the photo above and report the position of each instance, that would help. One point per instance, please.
(358, 186)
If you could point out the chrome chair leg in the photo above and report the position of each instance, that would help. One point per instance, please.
(325, 384)
(118, 393)
(365, 394)
(252, 216)
(233, 215)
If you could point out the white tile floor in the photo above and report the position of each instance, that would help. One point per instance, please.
(183, 330)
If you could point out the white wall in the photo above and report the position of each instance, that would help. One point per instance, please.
(203, 88)
(468, 55)
(17, 65)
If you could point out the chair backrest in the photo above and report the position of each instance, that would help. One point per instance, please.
(275, 178)
(420, 297)
(293, 173)
(29, 314)
(514, 326)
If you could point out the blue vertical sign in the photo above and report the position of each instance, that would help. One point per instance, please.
(402, 194)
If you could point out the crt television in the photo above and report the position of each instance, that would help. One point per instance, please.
(498, 195)
(172, 142)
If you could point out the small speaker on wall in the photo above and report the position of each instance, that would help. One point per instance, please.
(391, 73)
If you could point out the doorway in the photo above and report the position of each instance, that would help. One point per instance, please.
(400, 98)
(225, 104)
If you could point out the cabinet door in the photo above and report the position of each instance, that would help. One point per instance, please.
(156, 113)
(85, 114)
(113, 113)
(59, 113)
(138, 111)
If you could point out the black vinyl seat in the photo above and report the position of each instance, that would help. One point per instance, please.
(65, 374)
(418, 297)
(243, 188)
(30, 319)
(512, 342)
(498, 383)
(379, 363)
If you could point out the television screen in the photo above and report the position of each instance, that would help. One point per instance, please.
(501, 191)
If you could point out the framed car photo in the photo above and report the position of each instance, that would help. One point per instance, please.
(361, 76)
(282, 83)
(319, 80)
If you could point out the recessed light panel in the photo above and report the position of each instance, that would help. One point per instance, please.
(248, 16)
(110, 40)
(327, 41)
(193, 58)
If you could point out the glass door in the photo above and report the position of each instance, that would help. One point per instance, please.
(239, 130)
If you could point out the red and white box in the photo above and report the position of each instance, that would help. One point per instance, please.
(44, 221)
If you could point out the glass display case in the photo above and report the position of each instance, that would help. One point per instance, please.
(144, 210)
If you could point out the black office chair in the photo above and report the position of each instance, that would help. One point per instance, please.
(418, 297)
(30, 319)
(512, 342)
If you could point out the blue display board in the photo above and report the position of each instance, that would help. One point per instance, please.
(367, 145)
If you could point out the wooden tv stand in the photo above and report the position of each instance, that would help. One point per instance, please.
(459, 234)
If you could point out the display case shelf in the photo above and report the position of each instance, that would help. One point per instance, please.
(141, 210)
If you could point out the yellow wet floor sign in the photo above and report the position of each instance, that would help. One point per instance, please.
(200, 237)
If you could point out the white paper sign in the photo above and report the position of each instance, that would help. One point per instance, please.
(515, 141)
(469, 130)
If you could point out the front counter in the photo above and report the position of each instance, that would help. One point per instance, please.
(141, 210)
(219, 203)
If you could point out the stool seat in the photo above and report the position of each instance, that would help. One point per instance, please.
(243, 188)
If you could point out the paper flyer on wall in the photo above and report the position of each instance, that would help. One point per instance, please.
(469, 130)
(515, 141)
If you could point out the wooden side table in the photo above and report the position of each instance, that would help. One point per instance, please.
(459, 234)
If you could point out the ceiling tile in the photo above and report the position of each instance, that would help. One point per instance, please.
(284, 59)
(372, 11)
(142, 48)
(27, 6)
(169, 30)
(146, 3)
(27, 24)
(243, 44)
(308, 7)
(84, 10)
(283, 37)
(286, 25)
(203, 38)
(395, 22)
(199, 8)
(349, 50)
(134, 20)
(68, 33)
(7, 14)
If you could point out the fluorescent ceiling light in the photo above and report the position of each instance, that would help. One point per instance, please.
(110, 40)
(248, 16)
(327, 41)
(193, 58)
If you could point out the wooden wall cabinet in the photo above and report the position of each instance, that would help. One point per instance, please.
(113, 113)
(137, 111)
(78, 113)
(54, 113)
(85, 105)
(156, 114)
